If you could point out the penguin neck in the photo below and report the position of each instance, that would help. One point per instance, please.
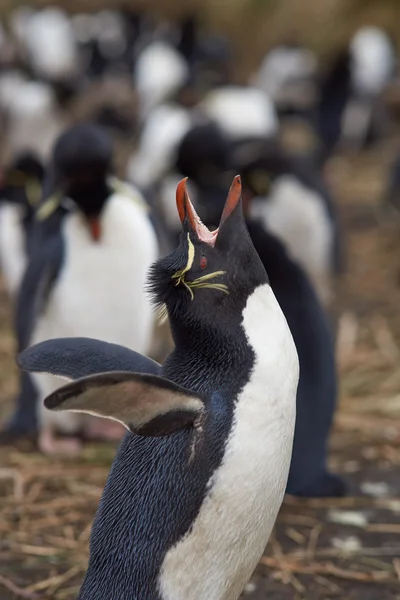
(208, 352)
(90, 197)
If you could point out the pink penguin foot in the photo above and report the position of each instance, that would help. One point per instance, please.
(51, 445)
(104, 430)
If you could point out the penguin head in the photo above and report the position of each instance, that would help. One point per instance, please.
(211, 274)
(204, 156)
(260, 163)
(81, 163)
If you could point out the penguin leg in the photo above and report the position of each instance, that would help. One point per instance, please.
(97, 429)
(50, 445)
(59, 434)
(23, 423)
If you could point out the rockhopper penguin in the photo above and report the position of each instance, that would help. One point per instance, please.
(198, 480)
(87, 270)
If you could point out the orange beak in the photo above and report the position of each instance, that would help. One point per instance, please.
(187, 211)
(94, 228)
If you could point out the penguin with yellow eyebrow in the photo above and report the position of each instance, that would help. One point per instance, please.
(199, 477)
(94, 243)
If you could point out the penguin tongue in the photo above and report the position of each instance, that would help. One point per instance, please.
(94, 228)
(186, 209)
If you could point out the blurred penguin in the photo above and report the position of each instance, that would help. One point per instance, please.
(48, 47)
(87, 272)
(294, 204)
(106, 41)
(349, 107)
(160, 72)
(242, 113)
(288, 75)
(32, 115)
(203, 156)
(20, 193)
(151, 166)
(317, 391)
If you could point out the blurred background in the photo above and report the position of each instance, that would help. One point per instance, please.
(319, 80)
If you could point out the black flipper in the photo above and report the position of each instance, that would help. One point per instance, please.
(45, 248)
(73, 358)
(147, 405)
(36, 285)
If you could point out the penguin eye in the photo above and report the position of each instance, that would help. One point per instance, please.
(203, 262)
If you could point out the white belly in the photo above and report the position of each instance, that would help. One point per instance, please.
(12, 246)
(220, 552)
(100, 292)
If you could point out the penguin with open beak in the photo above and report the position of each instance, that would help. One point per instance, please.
(200, 475)
(94, 243)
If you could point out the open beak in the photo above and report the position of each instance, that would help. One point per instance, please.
(187, 211)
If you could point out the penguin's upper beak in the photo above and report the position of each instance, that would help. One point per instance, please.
(189, 216)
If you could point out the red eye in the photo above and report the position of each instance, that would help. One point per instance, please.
(203, 262)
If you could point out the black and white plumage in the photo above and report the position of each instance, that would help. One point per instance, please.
(48, 44)
(317, 390)
(107, 40)
(160, 72)
(20, 193)
(92, 252)
(349, 104)
(241, 112)
(293, 202)
(33, 117)
(226, 424)
(288, 74)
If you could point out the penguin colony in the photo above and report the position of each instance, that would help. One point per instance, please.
(249, 387)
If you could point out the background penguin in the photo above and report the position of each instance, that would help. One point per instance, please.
(87, 272)
(288, 74)
(293, 203)
(349, 111)
(241, 112)
(202, 155)
(227, 393)
(317, 391)
(20, 193)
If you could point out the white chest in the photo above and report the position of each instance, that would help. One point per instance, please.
(218, 555)
(101, 288)
(100, 292)
(297, 216)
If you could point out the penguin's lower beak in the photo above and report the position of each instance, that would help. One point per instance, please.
(189, 216)
(94, 227)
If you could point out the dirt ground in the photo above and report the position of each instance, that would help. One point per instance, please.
(325, 549)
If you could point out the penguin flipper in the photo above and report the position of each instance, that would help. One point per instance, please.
(73, 358)
(147, 405)
(41, 272)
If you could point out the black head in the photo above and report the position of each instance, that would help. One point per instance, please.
(203, 154)
(207, 280)
(260, 162)
(204, 157)
(81, 163)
